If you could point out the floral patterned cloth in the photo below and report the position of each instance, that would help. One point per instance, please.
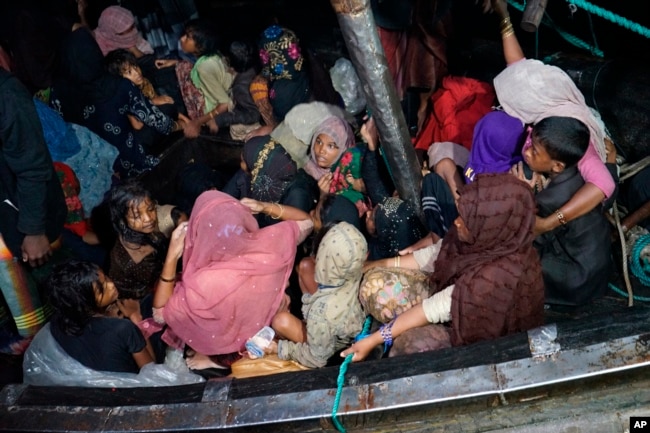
(282, 65)
(388, 292)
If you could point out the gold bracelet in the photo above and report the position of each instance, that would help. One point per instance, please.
(281, 212)
(396, 261)
(507, 29)
(505, 23)
(560, 216)
(167, 280)
(507, 34)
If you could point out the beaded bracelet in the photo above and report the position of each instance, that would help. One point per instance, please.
(560, 216)
(386, 332)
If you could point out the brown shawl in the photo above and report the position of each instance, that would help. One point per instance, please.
(498, 278)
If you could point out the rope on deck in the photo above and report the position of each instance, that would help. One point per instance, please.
(641, 266)
(621, 236)
(340, 381)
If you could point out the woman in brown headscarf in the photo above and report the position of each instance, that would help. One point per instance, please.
(487, 280)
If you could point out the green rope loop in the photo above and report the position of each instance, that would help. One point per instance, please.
(340, 380)
(625, 295)
(640, 267)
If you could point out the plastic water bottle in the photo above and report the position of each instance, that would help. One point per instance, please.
(260, 341)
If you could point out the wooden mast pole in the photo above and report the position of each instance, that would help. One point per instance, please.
(367, 55)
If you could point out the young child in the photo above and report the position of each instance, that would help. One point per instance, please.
(205, 85)
(80, 294)
(124, 64)
(576, 256)
(137, 257)
(333, 313)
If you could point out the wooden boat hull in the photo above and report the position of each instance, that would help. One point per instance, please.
(592, 376)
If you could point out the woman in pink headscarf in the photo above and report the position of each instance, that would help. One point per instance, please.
(116, 29)
(233, 280)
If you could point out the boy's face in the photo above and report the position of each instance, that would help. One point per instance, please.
(134, 74)
(539, 160)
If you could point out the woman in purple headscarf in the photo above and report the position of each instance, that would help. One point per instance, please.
(496, 145)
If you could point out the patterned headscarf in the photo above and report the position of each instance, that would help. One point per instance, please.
(398, 226)
(280, 53)
(270, 166)
(116, 29)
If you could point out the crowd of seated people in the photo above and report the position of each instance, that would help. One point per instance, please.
(310, 235)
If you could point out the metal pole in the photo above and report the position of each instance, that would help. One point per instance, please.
(367, 55)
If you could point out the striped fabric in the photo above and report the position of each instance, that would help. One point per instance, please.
(20, 292)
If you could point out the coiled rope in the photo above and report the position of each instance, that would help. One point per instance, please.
(640, 266)
(340, 381)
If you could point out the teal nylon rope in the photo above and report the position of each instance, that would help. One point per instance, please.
(625, 295)
(640, 267)
(617, 19)
(340, 381)
(566, 36)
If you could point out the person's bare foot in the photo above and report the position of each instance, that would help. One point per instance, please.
(199, 361)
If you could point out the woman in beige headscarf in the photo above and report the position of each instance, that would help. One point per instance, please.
(333, 313)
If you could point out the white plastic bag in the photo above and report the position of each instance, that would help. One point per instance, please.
(346, 81)
(47, 364)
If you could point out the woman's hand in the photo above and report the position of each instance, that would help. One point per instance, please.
(254, 205)
(177, 241)
(324, 184)
(262, 130)
(272, 348)
(610, 151)
(213, 127)
(369, 134)
(165, 63)
(361, 349)
(162, 100)
(130, 308)
(356, 184)
(536, 182)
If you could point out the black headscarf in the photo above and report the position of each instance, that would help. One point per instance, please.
(398, 226)
(82, 78)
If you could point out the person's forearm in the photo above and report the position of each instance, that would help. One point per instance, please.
(284, 212)
(411, 318)
(165, 286)
(637, 216)
(583, 201)
(511, 49)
